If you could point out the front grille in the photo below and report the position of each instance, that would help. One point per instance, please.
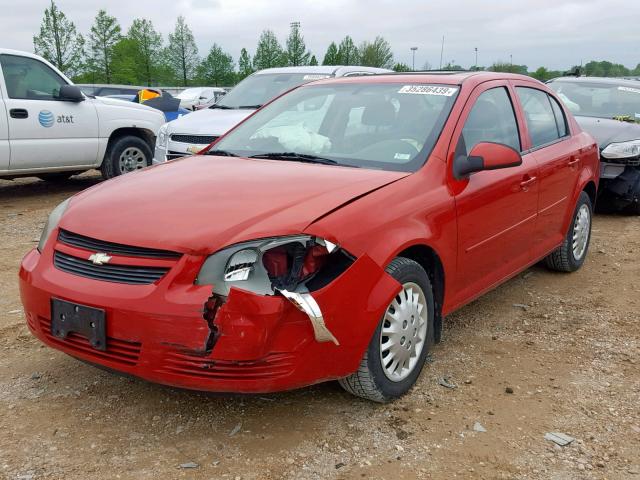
(195, 139)
(273, 365)
(87, 243)
(119, 351)
(131, 274)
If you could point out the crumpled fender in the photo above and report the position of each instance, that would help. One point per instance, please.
(251, 326)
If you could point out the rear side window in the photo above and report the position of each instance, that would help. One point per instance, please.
(491, 119)
(543, 123)
(561, 119)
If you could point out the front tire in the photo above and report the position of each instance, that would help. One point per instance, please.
(397, 352)
(570, 256)
(126, 154)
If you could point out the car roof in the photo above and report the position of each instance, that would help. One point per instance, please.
(333, 70)
(606, 80)
(447, 77)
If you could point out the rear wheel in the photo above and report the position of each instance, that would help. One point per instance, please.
(396, 354)
(127, 154)
(570, 256)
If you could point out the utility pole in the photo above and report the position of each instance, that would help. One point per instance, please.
(476, 49)
(511, 59)
(441, 52)
(413, 62)
(295, 26)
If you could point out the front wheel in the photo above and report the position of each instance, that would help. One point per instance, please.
(127, 154)
(397, 352)
(570, 256)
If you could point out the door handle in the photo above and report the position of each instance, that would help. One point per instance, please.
(19, 113)
(574, 161)
(525, 184)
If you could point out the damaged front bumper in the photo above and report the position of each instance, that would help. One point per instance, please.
(620, 182)
(253, 343)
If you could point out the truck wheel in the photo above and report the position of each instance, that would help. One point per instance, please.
(127, 154)
(570, 256)
(397, 352)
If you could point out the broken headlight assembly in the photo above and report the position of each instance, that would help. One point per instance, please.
(292, 266)
(621, 150)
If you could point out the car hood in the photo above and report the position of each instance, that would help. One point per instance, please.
(117, 102)
(201, 204)
(209, 121)
(607, 131)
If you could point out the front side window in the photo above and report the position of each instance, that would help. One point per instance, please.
(387, 126)
(539, 115)
(491, 119)
(30, 79)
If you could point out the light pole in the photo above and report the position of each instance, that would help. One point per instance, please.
(413, 62)
(476, 49)
(441, 52)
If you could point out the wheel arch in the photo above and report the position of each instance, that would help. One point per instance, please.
(144, 134)
(428, 258)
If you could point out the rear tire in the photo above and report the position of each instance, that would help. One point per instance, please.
(404, 322)
(126, 154)
(570, 256)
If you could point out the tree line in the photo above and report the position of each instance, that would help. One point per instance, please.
(140, 56)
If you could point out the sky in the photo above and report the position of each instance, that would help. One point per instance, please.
(552, 33)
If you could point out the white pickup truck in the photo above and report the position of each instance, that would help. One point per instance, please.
(50, 129)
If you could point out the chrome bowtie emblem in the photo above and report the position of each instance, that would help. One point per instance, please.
(99, 258)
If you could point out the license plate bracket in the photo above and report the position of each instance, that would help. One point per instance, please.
(68, 317)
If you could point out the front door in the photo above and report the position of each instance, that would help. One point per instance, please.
(496, 209)
(4, 135)
(44, 131)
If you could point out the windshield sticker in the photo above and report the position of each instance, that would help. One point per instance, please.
(629, 89)
(428, 90)
(402, 156)
(315, 77)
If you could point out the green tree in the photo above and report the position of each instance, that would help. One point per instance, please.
(59, 42)
(541, 74)
(401, 67)
(508, 68)
(314, 61)
(376, 54)
(105, 33)
(269, 53)
(148, 50)
(636, 71)
(297, 53)
(347, 52)
(605, 69)
(331, 56)
(245, 67)
(182, 52)
(125, 68)
(217, 68)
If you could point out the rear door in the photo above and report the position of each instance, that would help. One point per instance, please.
(496, 209)
(4, 132)
(44, 131)
(549, 140)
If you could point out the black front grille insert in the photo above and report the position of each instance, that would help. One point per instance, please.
(195, 139)
(92, 244)
(171, 155)
(130, 274)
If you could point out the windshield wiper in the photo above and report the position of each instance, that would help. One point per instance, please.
(250, 106)
(222, 107)
(221, 153)
(295, 157)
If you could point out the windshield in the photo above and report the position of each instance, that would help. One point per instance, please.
(382, 126)
(256, 90)
(605, 100)
(190, 93)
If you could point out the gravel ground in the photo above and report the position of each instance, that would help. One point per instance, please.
(545, 352)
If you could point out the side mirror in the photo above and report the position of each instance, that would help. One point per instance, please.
(70, 93)
(486, 156)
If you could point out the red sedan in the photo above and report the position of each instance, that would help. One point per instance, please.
(323, 238)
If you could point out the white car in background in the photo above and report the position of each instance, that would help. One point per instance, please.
(50, 129)
(189, 134)
(192, 97)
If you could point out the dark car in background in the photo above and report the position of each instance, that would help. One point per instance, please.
(609, 109)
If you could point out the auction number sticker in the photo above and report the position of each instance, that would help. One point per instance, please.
(629, 89)
(315, 77)
(428, 90)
